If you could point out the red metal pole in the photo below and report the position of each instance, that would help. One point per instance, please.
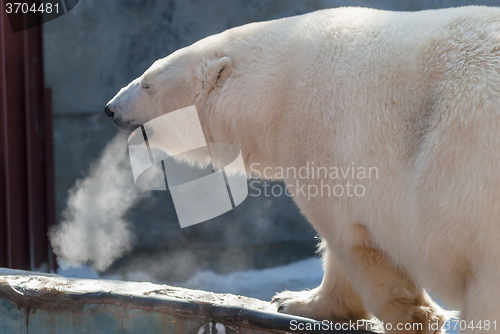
(3, 147)
(15, 162)
(25, 193)
(35, 149)
(50, 192)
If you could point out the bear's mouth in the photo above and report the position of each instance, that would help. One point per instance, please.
(127, 126)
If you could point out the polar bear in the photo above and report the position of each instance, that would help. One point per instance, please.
(414, 94)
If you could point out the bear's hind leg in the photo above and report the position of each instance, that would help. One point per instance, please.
(481, 310)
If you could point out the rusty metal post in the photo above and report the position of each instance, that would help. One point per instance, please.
(26, 168)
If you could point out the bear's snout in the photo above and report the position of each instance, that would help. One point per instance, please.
(109, 112)
(125, 125)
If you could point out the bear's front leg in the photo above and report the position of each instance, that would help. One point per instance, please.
(387, 291)
(335, 299)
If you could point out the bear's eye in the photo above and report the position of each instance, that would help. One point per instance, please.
(145, 85)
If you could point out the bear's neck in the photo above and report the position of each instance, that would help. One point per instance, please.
(257, 139)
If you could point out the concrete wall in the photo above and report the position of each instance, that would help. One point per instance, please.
(100, 46)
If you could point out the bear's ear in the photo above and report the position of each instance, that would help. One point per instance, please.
(217, 71)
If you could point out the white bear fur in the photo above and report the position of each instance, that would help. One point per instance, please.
(416, 95)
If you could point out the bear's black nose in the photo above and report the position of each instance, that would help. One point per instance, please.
(109, 112)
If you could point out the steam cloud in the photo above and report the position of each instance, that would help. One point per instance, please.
(93, 229)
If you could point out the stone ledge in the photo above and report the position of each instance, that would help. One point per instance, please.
(43, 303)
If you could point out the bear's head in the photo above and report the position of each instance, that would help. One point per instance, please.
(182, 79)
(239, 88)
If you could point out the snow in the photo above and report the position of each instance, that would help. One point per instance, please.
(256, 283)
(82, 271)
(262, 283)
